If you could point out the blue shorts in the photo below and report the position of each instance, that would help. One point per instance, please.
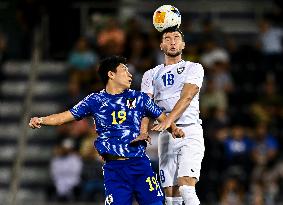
(126, 179)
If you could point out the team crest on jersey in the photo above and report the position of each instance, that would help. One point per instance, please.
(109, 199)
(131, 103)
(180, 70)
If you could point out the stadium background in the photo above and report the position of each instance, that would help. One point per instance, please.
(49, 52)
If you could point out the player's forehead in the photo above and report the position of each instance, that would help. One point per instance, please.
(122, 67)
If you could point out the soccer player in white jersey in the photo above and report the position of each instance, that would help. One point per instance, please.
(175, 87)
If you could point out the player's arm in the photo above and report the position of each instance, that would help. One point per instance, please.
(187, 95)
(145, 120)
(172, 128)
(192, 84)
(146, 87)
(144, 128)
(53, 120)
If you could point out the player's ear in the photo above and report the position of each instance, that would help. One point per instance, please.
(183, 45)
(110, 74)
(161, 46)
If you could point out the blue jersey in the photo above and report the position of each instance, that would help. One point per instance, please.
(118, 120)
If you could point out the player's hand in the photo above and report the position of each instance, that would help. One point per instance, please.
(162, 126)
(178, 133)
(35, 122)
(142, 137)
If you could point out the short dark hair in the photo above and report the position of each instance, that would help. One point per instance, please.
(109, 64)
(172, 29)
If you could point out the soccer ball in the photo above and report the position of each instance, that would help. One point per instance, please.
(166, 16)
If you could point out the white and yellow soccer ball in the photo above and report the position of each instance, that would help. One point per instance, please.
(166, 16)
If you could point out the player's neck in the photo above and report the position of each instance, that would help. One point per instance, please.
(172, 60)
(113, 90)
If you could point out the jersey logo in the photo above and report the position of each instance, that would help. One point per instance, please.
(109, 199)
(180, 70)
(131, 103)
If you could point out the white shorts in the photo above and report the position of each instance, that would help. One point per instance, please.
(182, 156)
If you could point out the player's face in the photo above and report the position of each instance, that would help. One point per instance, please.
(122, 76)
(172, 44)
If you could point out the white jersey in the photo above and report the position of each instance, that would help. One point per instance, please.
(165, 83)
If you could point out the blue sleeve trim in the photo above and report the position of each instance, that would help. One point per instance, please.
(77, 117)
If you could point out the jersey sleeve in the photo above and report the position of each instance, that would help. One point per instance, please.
(147, 82)
(195, 75)
(82, 109)
(151, 109)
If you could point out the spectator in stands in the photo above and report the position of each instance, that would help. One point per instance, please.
(273, 181)
(268, 106)
(212, 53)
(264, 145)
(76, 130)
(270, 44)
(92, 188)
(82, 61)
(111, 38)
(238, 149)
(212, 98)
(82, 58)
(270, 38)
(257, 194)
(232, 192)
(66, 180)
(264, 153)
(217, 63)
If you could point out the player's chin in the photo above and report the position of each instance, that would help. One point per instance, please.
(173, 53)
(128, 85)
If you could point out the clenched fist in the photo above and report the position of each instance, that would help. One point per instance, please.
(35, 122)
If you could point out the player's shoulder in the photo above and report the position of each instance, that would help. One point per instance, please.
(154, 70)
(191, 64)
(97, 95)
(194, 67)
(134, 92)
(91, 96)
(137, 93)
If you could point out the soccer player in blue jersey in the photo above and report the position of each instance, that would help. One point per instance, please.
(118, 112)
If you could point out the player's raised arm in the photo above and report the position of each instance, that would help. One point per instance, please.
(53, 120)
(79, 111)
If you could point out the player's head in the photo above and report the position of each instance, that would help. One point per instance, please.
(114, 70)
(172, 42)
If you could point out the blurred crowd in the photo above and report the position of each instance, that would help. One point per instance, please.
(241, 105)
